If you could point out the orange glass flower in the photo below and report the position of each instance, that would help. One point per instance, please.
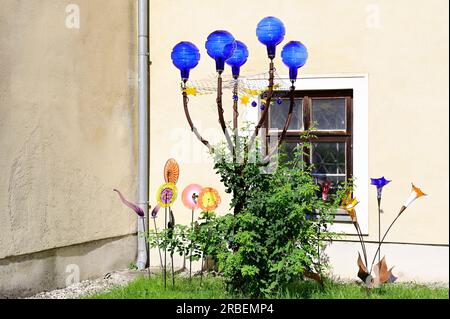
(209, 199)
(416, 192)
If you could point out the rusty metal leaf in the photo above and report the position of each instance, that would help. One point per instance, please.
(362, 272)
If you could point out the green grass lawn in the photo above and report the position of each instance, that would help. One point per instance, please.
(214, 288)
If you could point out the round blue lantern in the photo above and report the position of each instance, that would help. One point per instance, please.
(270, 32)
(220, 46)
(238, 58)
(294, 55)
(185, 56)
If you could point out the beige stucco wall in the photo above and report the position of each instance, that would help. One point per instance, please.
(67, 125)
(68, 117)
(401, 45)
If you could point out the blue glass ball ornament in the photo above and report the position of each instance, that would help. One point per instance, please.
(294, 56)
(279, 100)
(254, 104)
(235, 97)
(220, 46)
(270, 32)
(238, 58)
(262, 107)
(185, 56)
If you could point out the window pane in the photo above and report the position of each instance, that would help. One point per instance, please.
(289, 149)
(329, 161)
(328, 114)
(279, 112)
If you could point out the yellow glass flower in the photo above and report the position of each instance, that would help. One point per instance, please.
(349, 205)
(166, 195)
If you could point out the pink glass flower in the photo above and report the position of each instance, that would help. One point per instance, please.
(190, 195)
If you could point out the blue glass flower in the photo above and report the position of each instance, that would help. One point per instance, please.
(270, 32)
(185, 56)
(379, 183)
(220, 46)
(294, 56)
(238, 58)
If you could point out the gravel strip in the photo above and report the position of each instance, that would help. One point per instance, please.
(88, 287)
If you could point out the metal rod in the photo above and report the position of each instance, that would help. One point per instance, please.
(190, 254)
(379, 227)
(159, 248)
(165, 248)
(382, 240)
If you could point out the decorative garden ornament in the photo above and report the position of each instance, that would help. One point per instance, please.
(294, 56)
(141, 214)
(171, 171)
(270, 32)
(238, 58)
(187, 196)
(134, 207)
(220, 46)
(325, 187)
(379, 183)
(166, 195)
(208, 199)
(153, 215)
(415, 193)
(185, 56)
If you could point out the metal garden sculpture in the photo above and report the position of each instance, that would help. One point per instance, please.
(223, 48)
(381, 273)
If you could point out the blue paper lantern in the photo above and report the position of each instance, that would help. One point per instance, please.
(220, 46)
(238, 58)
(185, 56)
(270, 32)
(294, 55)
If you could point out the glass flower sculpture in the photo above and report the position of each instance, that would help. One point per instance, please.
(416, 192)
(171, 171)
(209, 199)
(379, 183)
(190, 194)
(134, 207)
(166, 195)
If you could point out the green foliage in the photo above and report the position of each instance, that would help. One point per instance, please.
(278, 226)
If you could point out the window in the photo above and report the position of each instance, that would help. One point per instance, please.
(328, 113)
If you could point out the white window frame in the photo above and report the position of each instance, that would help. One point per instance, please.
(359, 84)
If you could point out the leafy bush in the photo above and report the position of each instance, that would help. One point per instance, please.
(278, 227)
